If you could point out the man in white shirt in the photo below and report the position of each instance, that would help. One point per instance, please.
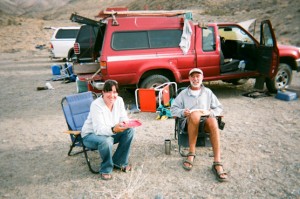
(194, 97)
(105, 127)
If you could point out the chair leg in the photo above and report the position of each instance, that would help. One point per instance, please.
(181, 151)
(88, 160)
(182, 143)
(175, 132)
(76, 139)
(202, 139)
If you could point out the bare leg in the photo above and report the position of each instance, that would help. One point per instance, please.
(211, 126)
(193, 125)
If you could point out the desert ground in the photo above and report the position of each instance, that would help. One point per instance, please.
(260, 141)
(260, 144)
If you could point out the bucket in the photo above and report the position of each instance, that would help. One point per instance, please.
(55, 69)
(81, 86)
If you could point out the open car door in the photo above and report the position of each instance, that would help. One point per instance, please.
(268, 51)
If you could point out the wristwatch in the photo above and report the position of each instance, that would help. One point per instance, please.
(112, 129)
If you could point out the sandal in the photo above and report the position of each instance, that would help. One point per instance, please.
(218, 174)
(125, 169)
(106, 176)
(188, 168)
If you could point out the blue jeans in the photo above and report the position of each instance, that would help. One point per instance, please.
(104, 144)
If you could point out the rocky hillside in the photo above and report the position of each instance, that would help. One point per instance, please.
(16, 15)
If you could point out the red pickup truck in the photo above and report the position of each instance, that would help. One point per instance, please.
(145, 49)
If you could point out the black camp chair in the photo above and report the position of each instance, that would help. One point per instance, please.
(203, 139)
(76, 108)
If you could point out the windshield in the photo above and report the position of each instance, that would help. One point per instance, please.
(236, 34)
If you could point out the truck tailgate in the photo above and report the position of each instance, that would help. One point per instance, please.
(85, 68)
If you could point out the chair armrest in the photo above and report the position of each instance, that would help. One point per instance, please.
(221, 124)
(72, 132)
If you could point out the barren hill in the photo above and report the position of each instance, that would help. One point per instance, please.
(19, 17)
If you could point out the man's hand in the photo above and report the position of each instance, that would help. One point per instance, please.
(187, 112)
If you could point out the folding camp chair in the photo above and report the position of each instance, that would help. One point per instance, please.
(181, 133)
(203, 139)
(65, 73)
(76, 108)
(148, 100)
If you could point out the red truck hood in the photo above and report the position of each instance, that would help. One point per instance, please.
(288, 50)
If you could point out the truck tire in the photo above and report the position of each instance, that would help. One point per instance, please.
(154, 81)
(282, 80)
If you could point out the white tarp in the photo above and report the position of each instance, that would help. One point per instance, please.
(247, 24)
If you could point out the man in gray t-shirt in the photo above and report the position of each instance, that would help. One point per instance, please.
(192, 103)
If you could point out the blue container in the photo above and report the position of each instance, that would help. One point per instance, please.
(55, 69)
(286, 95)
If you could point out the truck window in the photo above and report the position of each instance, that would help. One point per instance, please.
(164, 38)
(146, 39)
(130, 40)
(66, 34)
(87, 34)
(208, 39)
(267, 36)
(233, 33)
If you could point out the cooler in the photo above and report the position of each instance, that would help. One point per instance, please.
(55, 69)
(286, 95)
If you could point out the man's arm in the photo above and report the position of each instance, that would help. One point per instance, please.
(216, 106)
(177, 107)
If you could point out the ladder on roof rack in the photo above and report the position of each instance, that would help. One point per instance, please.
(167, 13)
(83, 20)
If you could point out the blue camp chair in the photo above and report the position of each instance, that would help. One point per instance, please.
(63, 72)
(76, 108)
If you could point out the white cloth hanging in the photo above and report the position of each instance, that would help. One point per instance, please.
(185, 41)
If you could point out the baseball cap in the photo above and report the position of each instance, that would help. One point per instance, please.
(196, 70)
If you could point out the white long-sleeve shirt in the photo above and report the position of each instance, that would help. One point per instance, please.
(101, 119)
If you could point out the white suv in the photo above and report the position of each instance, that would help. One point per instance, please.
(62, 42)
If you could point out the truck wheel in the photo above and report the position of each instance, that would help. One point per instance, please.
(282, 79)
(154, 81)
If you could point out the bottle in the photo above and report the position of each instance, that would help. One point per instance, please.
(242, 65)
(49, 86)
(167, 146)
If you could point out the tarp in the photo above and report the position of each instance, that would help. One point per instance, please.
(247, 24)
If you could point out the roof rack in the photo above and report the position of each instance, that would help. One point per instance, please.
(168, 13)
(83, 20)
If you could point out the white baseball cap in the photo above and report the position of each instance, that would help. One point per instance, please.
(196, 70)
